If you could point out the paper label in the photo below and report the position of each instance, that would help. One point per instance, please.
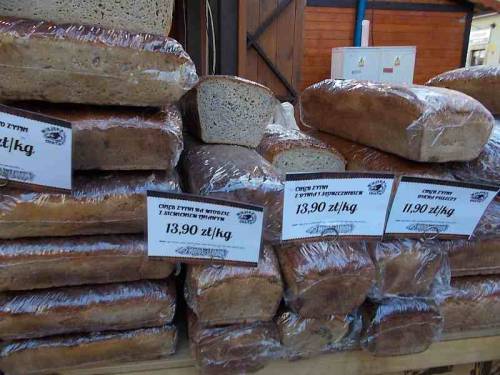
(335, 204)
(199, 229)
(428, 207)
(35, 149)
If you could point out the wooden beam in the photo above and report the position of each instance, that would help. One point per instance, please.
(392, 5)
(242, 37)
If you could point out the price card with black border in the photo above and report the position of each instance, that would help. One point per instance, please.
(322, 205)
(35, 150)
(437, 208)
(194, 229)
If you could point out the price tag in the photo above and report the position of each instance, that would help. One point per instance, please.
(335, 204)
(199, 229)
(34, 149)
(450, 209)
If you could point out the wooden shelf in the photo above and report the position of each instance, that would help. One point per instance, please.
(447, 352)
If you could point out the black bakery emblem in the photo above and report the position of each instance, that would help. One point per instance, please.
(377, 187)
(478, 196)
(205, 252)
(247, 217)
(54, 135)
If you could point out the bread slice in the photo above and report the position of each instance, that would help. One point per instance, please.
(71, 63)
(480, 82)
(420, 123)
(229, 110)
(290, 150)
(138, 16)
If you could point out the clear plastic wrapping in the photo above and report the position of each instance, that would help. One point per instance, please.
(239, 174)
(53, 354)
(94, 308)
(471, 304)
(480, 82)
(326, 278)
(408, 267)
(116, 138)
(420, 123)
(234, 349)
(53, 262)
(74, 63)
(100, 204)
(399, 326)
(232, 295)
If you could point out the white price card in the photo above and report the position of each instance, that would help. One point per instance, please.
(428, 207)
(335, 204)
(197, 229)
(35, 149)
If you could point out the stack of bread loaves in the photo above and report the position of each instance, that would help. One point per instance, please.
(76, 285)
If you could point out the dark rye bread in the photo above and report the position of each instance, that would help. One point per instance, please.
(480, 82)
(291, 150)
(90, 308)
(234, 295)
(51, 354)
(54, 262)
(420, 123)
(119, 138)
(99, 204)
(229, 110)
(140, 16)
(72, 63)
(399, 326)
(325, 278)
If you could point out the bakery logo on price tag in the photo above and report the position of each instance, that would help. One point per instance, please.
(34, 150)
(197, 229)
(424, 207)
(319, 205)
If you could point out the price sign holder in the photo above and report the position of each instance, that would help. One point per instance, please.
(35, 151)
(430, 208)
(199, 230)
(336, 205)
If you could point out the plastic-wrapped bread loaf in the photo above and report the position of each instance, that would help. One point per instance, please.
(232, 295)
(420, 123)
(52, 262)
(72, 63)
(93, 308)
(480, 82)
(142, 16)
(406, 267)
(399, 326)
(233, 349)
(326, 278)
(290, 150)
(117, 138)
(53, 354)
(100, 204)
(239, 174)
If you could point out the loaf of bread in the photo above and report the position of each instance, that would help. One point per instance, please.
(100, 204)
(72, 63)
(233, 349)
(326, 278)
(143, 16)
(480, 82)
(90, 308)
(54, 354)
(471, 303)
(405, 267)
(399, 326)
(239, 174)
(233, 295)
(420, 123)
(229, 110)
(116, 138)
(52, 262)
(480, 255)
(290, 150)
